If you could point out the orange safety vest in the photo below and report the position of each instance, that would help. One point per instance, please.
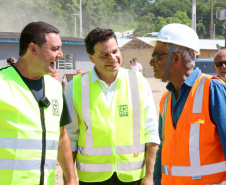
(191, 153)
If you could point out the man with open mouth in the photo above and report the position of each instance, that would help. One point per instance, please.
(33, 112)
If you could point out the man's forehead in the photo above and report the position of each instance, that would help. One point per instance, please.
(160, 46)
(221, 56)
(53, 39)
(106, 46)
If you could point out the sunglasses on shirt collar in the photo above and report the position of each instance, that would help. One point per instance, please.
(220, 64)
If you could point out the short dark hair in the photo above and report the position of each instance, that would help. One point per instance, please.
(11, 60)
(98, 35)
(134, 59)
(35, 33)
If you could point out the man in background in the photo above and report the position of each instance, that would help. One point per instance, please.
(11, 60)
(135, 65)
(219, 64)
(33, 112)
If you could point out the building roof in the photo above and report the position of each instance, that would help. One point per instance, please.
(122, 42)
(138, 43)
(135, 43)
(211, 44)
(15, 36)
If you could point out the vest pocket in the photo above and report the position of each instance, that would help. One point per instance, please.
(195, 122)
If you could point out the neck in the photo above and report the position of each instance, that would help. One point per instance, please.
(177, 80)
(25, 68)
(108, 79)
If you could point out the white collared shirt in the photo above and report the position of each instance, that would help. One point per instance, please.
(150, 124)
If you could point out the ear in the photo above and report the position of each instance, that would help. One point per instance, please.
(33, 49)
(177, 57)
(91, 58)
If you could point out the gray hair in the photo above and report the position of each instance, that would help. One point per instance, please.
(218, 54)
(187, 55)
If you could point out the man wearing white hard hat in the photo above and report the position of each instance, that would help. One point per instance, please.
(192, 113)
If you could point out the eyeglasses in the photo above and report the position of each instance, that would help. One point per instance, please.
(156, 55)
(220, 64)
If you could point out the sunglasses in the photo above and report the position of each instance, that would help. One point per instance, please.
(220, 64)
(156, 55)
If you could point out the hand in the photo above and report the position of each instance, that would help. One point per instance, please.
(72, 182)
(147, 181)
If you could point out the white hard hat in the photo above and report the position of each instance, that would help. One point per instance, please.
(178, 34)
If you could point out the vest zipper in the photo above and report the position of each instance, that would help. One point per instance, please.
(43, 145)
(170, 159)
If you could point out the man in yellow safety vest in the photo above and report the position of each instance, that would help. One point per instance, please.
(33, 112)
(114, 130)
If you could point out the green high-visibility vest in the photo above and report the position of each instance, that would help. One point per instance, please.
(111, 139)
(28, 153)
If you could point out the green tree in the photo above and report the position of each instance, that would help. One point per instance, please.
(179, 17)
(167, 8)
(146, 25)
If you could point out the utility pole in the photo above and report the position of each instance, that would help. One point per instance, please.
(225, 35)
(193, 18)
(75, 22)
(211, 21)
(81, 35)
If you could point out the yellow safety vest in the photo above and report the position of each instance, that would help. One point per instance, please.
(111, 139)
(28, 153)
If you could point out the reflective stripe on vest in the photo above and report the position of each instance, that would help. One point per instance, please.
(32, 144)
(16, 164)
(195, 170)
(195, 127)
(223, 183)
(164, 114)
(126, 149)
(108, 167)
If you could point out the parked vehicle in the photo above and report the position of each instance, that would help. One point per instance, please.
(205, 65)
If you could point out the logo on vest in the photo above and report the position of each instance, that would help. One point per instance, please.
(55, 105)
(123, 110)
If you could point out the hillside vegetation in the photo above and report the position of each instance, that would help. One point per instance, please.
(143, 16)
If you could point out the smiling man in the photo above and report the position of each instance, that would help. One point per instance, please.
(192, 113)
(114, 128)
(219, 64)
(33, 112)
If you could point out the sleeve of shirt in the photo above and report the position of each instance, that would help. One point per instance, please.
(150, 118)
(141, 68)
(65, 115)
(157, 168)
(72, 128)
(217, 109)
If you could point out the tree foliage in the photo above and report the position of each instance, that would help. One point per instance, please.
(143, 16)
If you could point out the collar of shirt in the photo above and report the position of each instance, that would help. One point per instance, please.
(189, 81)
(94, 76)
